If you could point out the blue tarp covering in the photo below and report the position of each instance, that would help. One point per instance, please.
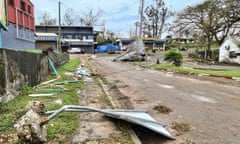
(108, 47)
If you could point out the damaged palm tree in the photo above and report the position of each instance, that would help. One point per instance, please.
(28, 127)
(135, 52)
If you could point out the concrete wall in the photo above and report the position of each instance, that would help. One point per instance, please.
(226, 48)
(42, 45)
(19, 68)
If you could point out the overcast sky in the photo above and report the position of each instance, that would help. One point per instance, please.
(118, 15)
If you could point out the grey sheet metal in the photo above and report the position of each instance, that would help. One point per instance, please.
(139, 117)
(135, 52)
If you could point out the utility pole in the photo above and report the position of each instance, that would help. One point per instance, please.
(136, 31)
(59, 47)
(141, 21)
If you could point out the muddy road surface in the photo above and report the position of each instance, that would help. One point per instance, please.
(194, 110)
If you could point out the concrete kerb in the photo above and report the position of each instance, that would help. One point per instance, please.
(116, 104)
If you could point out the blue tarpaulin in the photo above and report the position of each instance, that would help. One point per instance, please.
(108, 47)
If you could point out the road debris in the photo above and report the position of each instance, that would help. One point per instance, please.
(50, 90)
(28, 128)
(139, 117)
(83, 73)
(135, 52)
(236, 78)
(66, 82)
(47, 82)
(53, 67)
(8, 138)
(42, 95)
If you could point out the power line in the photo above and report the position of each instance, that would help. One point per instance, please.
(120, 11)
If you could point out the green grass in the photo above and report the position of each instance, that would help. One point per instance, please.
(38, 51)
(59, 129)
(70, 66)
(231, 73)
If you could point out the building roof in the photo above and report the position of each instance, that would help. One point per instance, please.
(62, 26)
(236, 40)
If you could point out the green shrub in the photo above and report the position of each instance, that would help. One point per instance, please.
(173, 57)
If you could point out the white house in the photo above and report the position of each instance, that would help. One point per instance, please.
(229, 51)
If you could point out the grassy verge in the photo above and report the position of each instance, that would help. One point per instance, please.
(60, 129)
(186, 70)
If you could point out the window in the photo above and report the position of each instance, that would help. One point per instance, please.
(11, 2)
(227, 48)
(29, 9)
(232, 54)
(23, 6)
(90, 37)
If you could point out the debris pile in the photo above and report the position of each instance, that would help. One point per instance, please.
(28, 127)
(135, 52)
(31, 127)
(139, 117)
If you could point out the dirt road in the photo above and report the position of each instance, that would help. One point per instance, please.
(202, 112)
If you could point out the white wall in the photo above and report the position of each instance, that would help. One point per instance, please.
(225, 49)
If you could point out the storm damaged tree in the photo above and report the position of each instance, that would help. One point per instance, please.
(70, 17)
(210, 20)
(46, 19)
(229, 22)
(91, 18)
(155, 18)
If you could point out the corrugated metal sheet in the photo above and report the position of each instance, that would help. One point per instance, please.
(139, 117)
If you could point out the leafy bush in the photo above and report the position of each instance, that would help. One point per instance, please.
(174, 57)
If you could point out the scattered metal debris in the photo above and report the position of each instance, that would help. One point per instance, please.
(53, 67)
(69, 73)
(50, 90)
(83, 73)
(135, 52)
(139, 117)
(47, 82)
(42, 95)
(66, 82)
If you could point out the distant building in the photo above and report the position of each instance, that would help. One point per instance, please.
(46, 40)
(149, 43)
(229, 51)
(71, 37)
(20, 34)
